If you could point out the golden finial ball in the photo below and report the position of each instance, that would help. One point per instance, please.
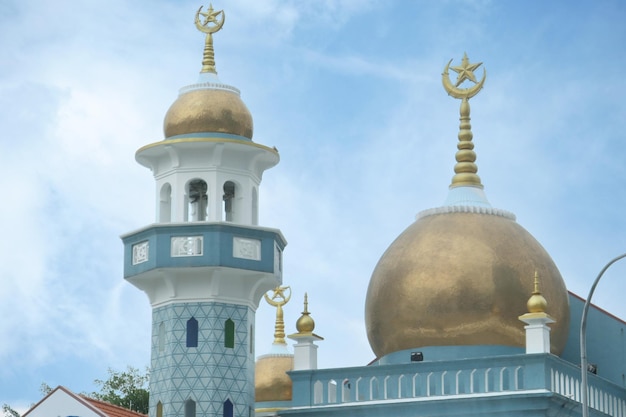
(537, 304)
(305, 324)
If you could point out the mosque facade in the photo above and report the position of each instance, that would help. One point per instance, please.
(466, 312)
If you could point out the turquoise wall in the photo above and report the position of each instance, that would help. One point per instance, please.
(606, 342)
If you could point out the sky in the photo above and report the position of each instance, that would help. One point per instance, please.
(350, 93)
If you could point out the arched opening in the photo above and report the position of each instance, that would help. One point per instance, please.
(192, 332)
(159, 409)
(346, 388)
(197, 200)
(229, 200)
(229, 334)
(318, 392)
(190, 408)
(332, 391)
(165, 204)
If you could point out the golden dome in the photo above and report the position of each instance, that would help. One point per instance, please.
(460, 278)
(305, 324)
(208, 110)
(537, 304)
(271, 382)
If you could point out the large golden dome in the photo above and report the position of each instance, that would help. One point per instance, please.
(208, 110)
(461, 274)
(460, 278)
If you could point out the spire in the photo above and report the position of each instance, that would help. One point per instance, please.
(537, 303)
(465, 168)
(278, 300)
(208, 57)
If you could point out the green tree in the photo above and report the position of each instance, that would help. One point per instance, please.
(128, 389)
(9, 412)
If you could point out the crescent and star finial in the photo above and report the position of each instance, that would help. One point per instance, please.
(465, 169)
(209, 17)
(278, 300)
(465, 72)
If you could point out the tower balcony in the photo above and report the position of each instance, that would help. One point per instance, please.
(201, 261)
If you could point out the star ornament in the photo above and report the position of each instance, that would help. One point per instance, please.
(465, 71)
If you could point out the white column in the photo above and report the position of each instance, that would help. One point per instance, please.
(304, 351)
(537, 332)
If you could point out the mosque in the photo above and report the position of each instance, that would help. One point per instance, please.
(466, 313)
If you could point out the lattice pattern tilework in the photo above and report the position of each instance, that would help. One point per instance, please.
(210, 373)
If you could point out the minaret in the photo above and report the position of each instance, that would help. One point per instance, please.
(205, 263)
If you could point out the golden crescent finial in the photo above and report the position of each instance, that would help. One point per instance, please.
(208, 57)
(465, 169)
(279, 327)
(466, 72)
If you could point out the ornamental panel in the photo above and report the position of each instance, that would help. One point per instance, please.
(246, 248)
(186, 246)
(140, 252)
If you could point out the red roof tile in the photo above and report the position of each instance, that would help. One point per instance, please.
(112, 410)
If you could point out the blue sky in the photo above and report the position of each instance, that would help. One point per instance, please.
(350, 93)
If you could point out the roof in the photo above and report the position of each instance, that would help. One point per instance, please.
(111, 410)
(100, 408)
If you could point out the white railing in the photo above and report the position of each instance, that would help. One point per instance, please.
(569, 386)
(460, 377)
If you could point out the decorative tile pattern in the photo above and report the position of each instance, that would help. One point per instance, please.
(210, 373)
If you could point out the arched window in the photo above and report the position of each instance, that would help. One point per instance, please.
(197, 200)
(192, 332)
(190, 408)
(165, 204)
(161, 337)
(159, 410)
(229, 200)
(229, 334)
(228, 409)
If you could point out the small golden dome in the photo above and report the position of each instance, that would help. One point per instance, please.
(457, 278)
(271, 382)
(305, 324)
(537, 304)
(208, 110)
